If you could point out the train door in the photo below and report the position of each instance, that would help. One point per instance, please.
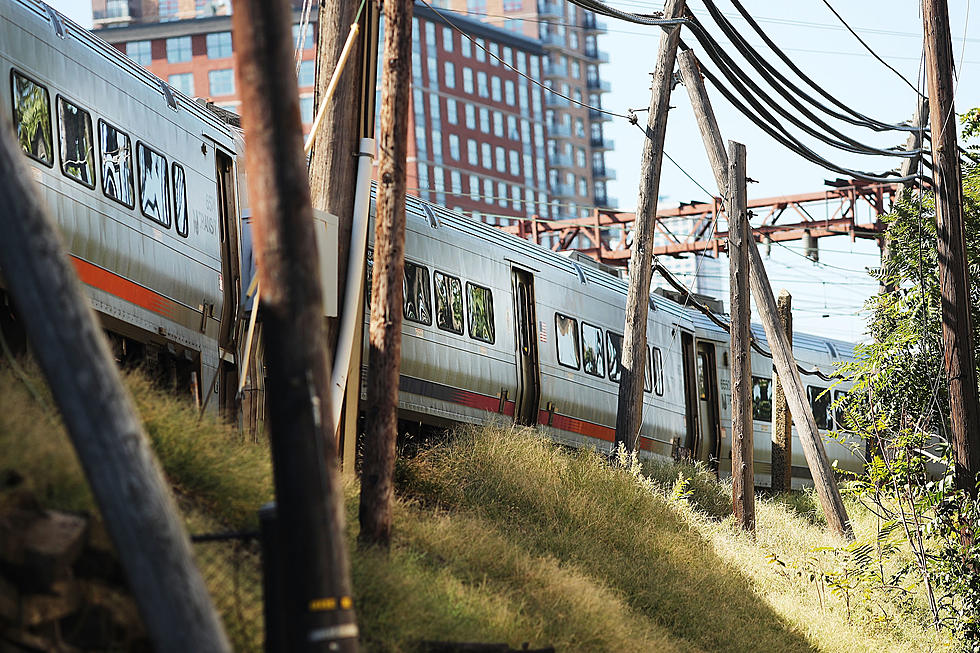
(528, 370)
(230, 277)
(690, 395)
(709, 444)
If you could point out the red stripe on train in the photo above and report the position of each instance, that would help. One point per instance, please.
(122, 288)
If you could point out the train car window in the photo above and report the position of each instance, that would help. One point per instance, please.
(449, 303)
(658, 372)
(840, 397)
(566, 339)
(417, 305)
(594, 363)
(117, 166)
(180, 199)
(761, 399)
(648, 373)
(614, 355)
(151, 168)
(820, 403)
(479, 301)
(77, 144)
(32, 118)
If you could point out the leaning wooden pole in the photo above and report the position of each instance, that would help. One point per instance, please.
(319, 610)
(629, 415)
(740, 334)
(954, 282)
(813, 449)
(781, 452)
(384, 353)
(136, 506)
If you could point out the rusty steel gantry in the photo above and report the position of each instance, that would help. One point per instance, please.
(701, 221)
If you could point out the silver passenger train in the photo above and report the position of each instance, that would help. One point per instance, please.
(148, 189)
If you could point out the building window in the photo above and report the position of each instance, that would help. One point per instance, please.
(307, 43)
(456, 180)
(447, 39)
(508, 55)
(221, 82)
(481, 53)
(450, 75)
(140, 52)
(485, 120)
(465, 47)
(454, 147)
(32, 117)
(498, 124)
(474, 188)
(179, 49)
(509, 92)
(219, 45)
(515, 163)
(154, 184)
(472, 156)
(481, 84)
(467, 80)
(77, 144)
(470, 112)
(495, 93)
(513, 5)
(418, 304)
(307, 73)
(494, 54)
(501, 160)
(487, 156)
(451, 112)
(167, 10)
(306, 109)
(566, 339)
(183, 82)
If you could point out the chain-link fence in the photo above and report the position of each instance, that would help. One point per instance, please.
(231, 564)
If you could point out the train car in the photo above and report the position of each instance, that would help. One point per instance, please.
(142, 183)
(497, 327)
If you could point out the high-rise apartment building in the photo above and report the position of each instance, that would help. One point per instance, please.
(194, 54)
(489, 135)
(111, 13)
(570, 67)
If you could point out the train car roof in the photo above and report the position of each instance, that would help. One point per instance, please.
(63, 27)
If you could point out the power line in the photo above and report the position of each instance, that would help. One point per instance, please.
(869, 48)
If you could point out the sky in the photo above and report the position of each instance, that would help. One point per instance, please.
(827, 297)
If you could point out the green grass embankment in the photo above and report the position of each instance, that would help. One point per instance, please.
(501, 536)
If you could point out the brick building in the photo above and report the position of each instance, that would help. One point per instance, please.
(487, 139)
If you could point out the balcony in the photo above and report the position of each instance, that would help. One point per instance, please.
(550, 9)
(606, 202)
(560, 161)
(603, 174)
(555, 101)
(599, 55)
(598, 85)
(553, 40)
(554, 70)
(595, 114)
(591, 24)
(562, 190)
(115, 14)
(601, 143)
(560, 131)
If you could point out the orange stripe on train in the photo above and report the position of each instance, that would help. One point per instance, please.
(122, 288)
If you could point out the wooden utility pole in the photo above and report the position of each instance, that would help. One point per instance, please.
(384, 354)
(739, 233)
(319, 614)
(954, 283)
(136, 506)
(334, 162)
(781, 467)
(813, 449)
(629, 415)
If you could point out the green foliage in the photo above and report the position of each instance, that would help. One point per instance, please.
(899, 404)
